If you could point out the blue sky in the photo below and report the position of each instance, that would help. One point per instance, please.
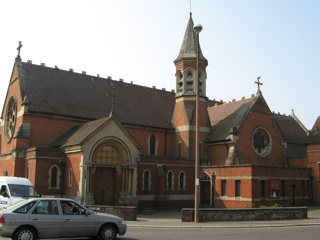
(137, 41)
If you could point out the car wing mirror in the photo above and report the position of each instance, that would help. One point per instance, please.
(88, 212)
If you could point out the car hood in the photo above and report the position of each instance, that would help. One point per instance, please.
(105, 216)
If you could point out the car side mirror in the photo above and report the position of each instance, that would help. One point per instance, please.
(5, 194)
(88, 212)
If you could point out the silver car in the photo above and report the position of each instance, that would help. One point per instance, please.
(57, 218)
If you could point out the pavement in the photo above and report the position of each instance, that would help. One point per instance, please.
(172, 219)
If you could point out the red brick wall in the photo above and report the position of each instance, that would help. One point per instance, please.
(253, 121)
(251, 176)
(158, 183)
(164, 139)
(73, 162)
(45, 130)
(313, 159)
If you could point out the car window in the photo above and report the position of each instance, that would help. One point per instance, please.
(72, 208)
(48, 207)
(25, 208)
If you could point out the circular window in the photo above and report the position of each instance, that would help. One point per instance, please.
(10, 120)
(261, 142)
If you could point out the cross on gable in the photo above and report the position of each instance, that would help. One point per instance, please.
(259, 84)
(19, 48)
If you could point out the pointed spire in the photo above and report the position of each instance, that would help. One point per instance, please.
(189, 44)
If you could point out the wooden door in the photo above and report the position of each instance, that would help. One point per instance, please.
(205, 193)
(104, 186)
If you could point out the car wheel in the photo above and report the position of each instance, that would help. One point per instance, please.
(108, 232)
(24, 233)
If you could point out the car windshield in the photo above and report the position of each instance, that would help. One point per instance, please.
(17, 190)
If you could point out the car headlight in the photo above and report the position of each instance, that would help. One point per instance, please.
(123, 222)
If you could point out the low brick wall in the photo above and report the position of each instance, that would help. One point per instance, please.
(245, 214)
(128, 213)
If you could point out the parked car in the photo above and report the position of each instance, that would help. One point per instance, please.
(35, 218)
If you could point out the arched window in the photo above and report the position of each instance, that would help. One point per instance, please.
(182, 181)
(146, 181)
(170, 179)
(70, 178)
(54, 175)
(153, 145)
(5, 173)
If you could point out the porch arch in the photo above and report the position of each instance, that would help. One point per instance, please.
(112, 172)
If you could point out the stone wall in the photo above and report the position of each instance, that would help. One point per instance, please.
(128, 213)
(245, 214)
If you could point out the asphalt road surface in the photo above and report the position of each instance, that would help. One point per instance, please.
(256, 233)
(265, 233)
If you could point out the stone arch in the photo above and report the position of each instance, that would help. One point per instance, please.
(112, 173)
(110, 152)
(54, 177)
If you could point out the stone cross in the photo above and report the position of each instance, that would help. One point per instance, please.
(19, 47)
(258, 83)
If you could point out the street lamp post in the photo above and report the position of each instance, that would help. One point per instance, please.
(197, 30)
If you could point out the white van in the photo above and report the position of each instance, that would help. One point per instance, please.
(13, 189)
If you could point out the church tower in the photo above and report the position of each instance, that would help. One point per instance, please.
(184, 115)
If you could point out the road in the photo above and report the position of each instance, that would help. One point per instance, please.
(265, 233)
(262, 233)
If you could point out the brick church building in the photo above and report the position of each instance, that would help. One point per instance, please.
(109, 142)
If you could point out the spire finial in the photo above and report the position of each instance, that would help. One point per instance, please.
(190, 8)
(19, 48)
(258, 83)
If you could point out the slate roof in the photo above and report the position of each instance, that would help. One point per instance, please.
(60, 92)
(294, 134)
(315, 132)
(227, 116)
(291, 130)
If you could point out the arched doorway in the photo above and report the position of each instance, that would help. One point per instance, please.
(205, 190)
(111, 177)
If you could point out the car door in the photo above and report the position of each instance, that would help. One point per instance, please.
(75, 220)
(45, 216)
